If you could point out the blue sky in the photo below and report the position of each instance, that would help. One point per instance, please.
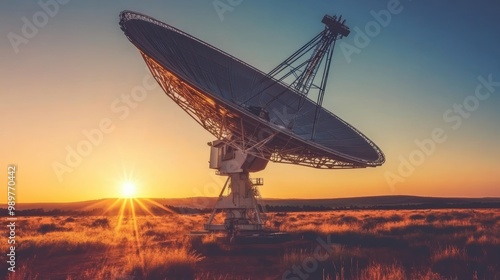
(396, 90)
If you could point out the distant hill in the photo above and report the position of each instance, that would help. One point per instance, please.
(381, 202)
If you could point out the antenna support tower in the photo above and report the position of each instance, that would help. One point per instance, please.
(317, 52)
(240, 205)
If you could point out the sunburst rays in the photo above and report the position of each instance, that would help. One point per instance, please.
(128, 209)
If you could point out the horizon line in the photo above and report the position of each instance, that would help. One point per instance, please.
(291, 198)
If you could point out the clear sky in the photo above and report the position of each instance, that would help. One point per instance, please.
(66, 68)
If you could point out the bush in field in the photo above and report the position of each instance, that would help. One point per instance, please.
(415, 217)
(395, 218)
(46, 228)
(372, 222)
(104, 223)
(348, 220)
(431, 218)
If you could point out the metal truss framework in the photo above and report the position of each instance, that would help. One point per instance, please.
(248, 133)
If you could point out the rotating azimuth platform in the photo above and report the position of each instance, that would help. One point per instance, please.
(256, 117)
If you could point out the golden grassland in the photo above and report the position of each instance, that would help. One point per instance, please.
(365, 244)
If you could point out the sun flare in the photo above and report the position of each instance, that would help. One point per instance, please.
(128, 190)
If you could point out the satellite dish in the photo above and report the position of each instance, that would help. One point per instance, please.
(255, 117)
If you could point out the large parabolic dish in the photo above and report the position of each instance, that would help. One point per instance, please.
(218, 90)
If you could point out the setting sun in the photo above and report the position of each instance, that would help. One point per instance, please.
(128, 190)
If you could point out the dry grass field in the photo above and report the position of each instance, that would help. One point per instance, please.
(347, 244)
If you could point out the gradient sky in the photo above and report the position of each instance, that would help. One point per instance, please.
(65, 77)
